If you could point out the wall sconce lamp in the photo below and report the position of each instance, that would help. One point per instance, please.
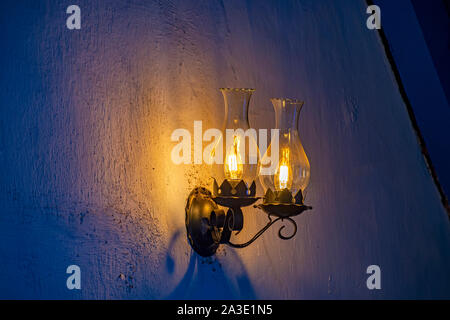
(207, 224)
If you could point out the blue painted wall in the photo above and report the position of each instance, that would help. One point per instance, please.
(85, 170)
(424, 70)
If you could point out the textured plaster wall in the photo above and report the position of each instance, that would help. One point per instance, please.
(85, 170)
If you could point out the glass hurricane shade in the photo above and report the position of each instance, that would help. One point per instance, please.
(292, 171)
(237, 144)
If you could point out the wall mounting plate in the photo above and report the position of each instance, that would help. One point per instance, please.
(203, 236)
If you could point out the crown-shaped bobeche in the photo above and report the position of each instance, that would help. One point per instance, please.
(234, 194)
(240, 189)
(282, 203)
(283, 196)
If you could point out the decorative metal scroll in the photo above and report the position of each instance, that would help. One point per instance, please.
(267, 226)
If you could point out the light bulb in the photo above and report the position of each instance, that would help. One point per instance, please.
(234, 166)
(283, 176)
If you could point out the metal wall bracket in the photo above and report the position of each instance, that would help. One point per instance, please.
(208, 226)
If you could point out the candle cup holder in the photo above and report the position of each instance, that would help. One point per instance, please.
(234, 197)
(282, 204)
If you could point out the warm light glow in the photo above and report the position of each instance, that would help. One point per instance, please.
(234, 167)
(283, 176)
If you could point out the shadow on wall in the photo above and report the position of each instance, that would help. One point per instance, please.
(209, 277)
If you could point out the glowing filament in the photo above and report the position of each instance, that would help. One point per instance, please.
(233, 163)
(283, 177)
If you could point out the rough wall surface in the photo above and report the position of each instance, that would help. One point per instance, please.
(85, 170)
